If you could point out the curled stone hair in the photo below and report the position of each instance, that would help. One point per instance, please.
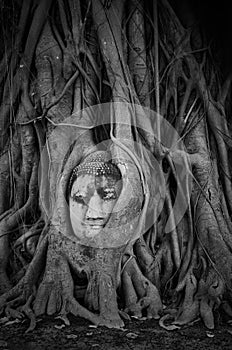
(98, 164)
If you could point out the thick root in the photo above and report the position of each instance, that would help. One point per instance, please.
(55, 292)
(210, 291)
(26, 309)
(188, 314)
(113, 321)
(152, 265)
(140, 293)
(108, 303)
(151, 302)
(56, 295)
(19, 307)
(17, 295)
(22, 291)
(206, 311)
(189, 310)
(131, 306)
(5, 284)
(101, 293)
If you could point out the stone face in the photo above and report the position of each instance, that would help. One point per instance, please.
(104, 206)
(91, 203)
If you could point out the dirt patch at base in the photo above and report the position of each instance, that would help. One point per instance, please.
(51, 334)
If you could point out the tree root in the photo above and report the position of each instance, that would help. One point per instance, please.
(5, 282)
(13, 300)
(189, 310)
(206, 312)
(151, 266)
(24, 289)
(226, 307)
(131, 306)
(140, 294)
(56, 292)
(55, 295)
(201, 297)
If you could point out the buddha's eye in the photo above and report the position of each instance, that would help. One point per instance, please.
(78, 198)
(109, 194)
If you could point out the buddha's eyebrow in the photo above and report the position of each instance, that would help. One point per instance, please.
(84, 191)
(109, 189)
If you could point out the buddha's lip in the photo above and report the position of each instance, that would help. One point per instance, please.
(94, 224)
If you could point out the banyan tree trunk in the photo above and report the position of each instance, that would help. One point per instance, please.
(139, 82)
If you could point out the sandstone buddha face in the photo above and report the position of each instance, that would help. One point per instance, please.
(94, 191)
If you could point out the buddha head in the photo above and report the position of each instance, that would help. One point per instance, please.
(94, 187)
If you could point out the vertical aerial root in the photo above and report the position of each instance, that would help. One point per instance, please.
(210, 291)
(20, 293)
(26, 309)
(140, 293)
(5, 282)
(144, 256)
(130, 296)
(108, 302)
(189, 258)
(206, 312)
(226, 308)
(183, 278)
(189, 310)
(151, 301)
(151, 266)
(11, 312)
(12, 295)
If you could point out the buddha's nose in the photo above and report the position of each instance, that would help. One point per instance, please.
(94, 210)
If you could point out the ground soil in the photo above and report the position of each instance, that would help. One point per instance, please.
(145, 335)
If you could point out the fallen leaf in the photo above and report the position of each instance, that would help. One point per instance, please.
(139, 318)
(132, 335)
(12, 322)
(170, 327)
(64, 318)
(71, 336)
(210, 334)
(123, 329)
(59, 327)
(92, 326)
